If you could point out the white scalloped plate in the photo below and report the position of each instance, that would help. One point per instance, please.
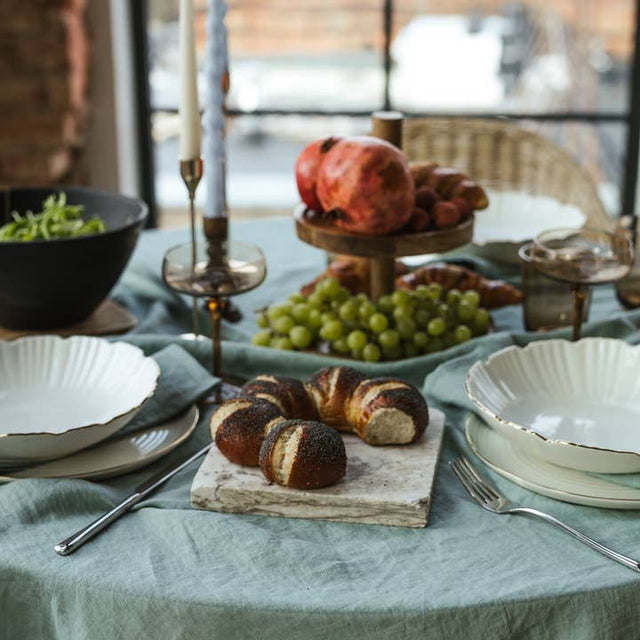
(499, 453)
(60, 395)
(574, 404)
(118, 456)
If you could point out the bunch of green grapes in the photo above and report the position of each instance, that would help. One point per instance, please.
(403, 324)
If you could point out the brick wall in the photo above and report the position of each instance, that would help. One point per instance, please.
(44, 66)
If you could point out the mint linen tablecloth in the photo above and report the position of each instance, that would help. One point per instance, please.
(168, 571)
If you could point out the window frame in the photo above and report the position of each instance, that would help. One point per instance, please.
(631, 117)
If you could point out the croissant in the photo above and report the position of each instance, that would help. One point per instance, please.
(449, 183)
(352, 273)
(493, 293)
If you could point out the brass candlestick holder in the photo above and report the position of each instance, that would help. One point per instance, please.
(223, 268)
(191, 172)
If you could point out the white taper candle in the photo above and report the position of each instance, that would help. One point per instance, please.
(189, 113)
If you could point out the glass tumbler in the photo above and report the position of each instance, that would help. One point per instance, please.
(547, 303)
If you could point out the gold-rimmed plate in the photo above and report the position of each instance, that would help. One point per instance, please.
(573, 404)
(118, 456)
(568, 485)
(62, 395)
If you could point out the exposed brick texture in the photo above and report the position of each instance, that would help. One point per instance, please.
(44, 65)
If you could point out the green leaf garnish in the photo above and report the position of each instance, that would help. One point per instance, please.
(56, 220)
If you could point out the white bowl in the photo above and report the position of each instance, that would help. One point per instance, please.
(60, 395)
(574, 404)
(515, 217)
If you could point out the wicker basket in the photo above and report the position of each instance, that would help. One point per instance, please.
(493, 151)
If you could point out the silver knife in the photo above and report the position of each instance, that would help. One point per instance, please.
(74, 542)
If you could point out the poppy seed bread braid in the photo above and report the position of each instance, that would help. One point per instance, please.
(303, 454)
(275, 422)
(288, 394)
(379, 410)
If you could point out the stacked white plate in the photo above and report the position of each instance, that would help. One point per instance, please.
(62, 396)
(554, 413)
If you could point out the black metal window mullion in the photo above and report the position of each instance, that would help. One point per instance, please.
(139, 13)
(387, 26)
(632, 148)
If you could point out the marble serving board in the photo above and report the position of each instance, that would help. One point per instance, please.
(383, 485)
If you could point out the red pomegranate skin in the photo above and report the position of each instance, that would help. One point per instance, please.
(366, 182)
(307, 166)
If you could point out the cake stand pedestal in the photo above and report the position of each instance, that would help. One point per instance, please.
(380, 251)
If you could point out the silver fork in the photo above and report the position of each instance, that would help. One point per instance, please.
(489, 498)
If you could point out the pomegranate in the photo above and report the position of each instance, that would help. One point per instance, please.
(307, 166)
(367, 184)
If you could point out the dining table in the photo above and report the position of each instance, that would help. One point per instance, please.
(167, 570)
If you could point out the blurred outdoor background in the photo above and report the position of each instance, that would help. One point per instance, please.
(304, 70)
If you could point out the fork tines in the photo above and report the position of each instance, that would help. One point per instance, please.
(491, 499)
(477, 487)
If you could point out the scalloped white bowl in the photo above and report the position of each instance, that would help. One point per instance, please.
(574, 404)
(60, 395)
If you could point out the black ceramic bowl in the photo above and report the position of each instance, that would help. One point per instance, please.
(47, 284)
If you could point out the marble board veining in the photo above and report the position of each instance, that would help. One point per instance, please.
(383, 485)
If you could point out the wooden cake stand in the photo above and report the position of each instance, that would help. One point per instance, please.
(381, 251)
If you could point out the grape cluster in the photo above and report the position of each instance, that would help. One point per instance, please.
(403, 324)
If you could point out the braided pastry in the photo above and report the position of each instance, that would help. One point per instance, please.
(387, 411)
(239, 426)
(288, 394)
(331, 390)
(303, 454)
(381, 411)
(378, 410)
(493, 293)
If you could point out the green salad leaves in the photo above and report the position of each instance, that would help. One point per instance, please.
(57, 220)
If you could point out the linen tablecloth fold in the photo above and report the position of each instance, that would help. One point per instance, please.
(182, 381)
